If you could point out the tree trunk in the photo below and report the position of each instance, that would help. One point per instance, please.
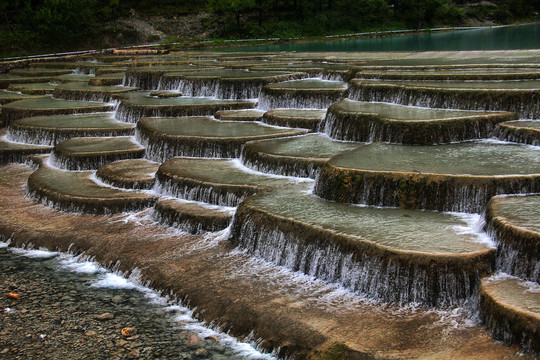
(7, 22)
(238, 23)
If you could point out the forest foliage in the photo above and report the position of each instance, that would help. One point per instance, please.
(55, 25)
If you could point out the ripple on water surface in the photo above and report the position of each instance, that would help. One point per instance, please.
(474, 158)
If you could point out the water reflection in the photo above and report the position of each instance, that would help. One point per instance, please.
(492, 38)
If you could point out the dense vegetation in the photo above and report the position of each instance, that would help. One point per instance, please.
(286, 18)
(46, 25)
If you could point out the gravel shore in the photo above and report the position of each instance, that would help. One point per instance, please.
(51, 313)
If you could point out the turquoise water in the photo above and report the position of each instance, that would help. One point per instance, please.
(493, 38)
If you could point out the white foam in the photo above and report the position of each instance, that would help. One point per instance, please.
(113, 281)
(504, 142)
(531, 286)
(79, 264)
(500, 276)
(7, 139)
(34, 254)
(3, 244)
(474, 225)
(237, 163)
(226, 209)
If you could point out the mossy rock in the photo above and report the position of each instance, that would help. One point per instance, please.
(165, 138)
(77, 192)
(129, 174)
(49, 130)
(368, 122)
(306, 93)
(300, 156)
(86, 92)
(454, 177)
(42, 106)
(104, 71)
(13, 152)
(513, 222)
(295, 118)
(136, 106)
(40, 72)
(9, 96)
(523, 132)
(33, 88)
(511, 311)
(7, 79)
(192, 217)
(166, 94)
(116, 78)
(239, 115)
(84, 78)
(515, 96)
(93, 152)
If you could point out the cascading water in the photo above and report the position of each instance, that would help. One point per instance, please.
(524, 102)
(380, 271)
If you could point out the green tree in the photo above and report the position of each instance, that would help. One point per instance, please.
(64, 21)
(233, 7)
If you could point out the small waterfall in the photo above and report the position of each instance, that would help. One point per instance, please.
(419, 191)
(506, 325)
(47, 137)
(514, 261)
(299, 100)
(215, 88)
(84, 70)
(132, 185)
(278, 165)
(523, 102)
(8, 115)
(374, 128)
(143, 80)
(384, 277)
(292, 122)
(132, 114)
(332, 76)
(503, 331)
(90, 162)
(87, 206)
(162, 148)
(192, 226)
(196, 88)
(83, 95)
(517, 250)
(191, 223)
(517, 135)
(20, 156)
(193, 190)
